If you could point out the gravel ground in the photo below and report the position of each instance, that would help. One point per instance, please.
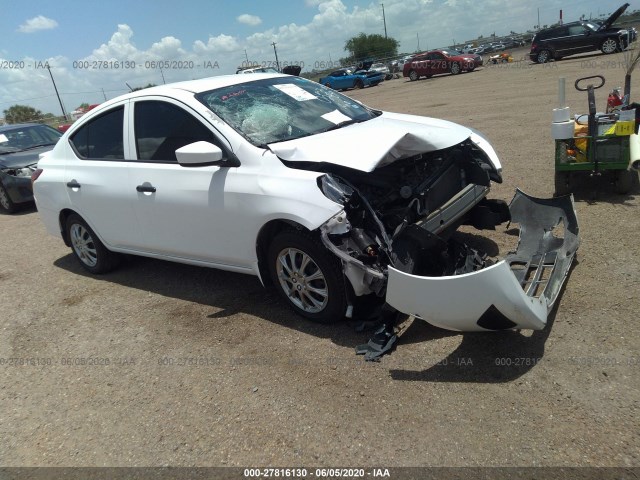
(206, 368)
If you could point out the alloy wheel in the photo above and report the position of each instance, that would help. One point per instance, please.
(302, 280)
(83, 245)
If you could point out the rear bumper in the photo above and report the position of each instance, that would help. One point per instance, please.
(515, 293)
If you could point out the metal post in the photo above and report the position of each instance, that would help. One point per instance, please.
(384, 20)
(57, 94)
(276, 52)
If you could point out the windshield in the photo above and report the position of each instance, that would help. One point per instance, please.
(27, 137)
(595, 26)
(451, 53)
(283, 108)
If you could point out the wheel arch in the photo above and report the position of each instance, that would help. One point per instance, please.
(268, 231)
(65, 213)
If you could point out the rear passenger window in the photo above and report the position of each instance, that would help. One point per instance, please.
(161, 128)
(101, 138)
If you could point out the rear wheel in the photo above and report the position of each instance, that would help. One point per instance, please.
(610, 45)
(455, 68)
(88, 248)
(6, 204)
(307, 276)
(624, 181)
(413, 75)
(543, 56)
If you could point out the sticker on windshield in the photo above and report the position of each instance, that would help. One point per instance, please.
(336, 117)
(295, 92)
(3, 138)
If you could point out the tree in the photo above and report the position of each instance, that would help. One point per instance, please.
(363, 47)
(83, 106)
(22, 114)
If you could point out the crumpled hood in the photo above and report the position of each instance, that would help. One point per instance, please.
(22, 159)
(372, 144)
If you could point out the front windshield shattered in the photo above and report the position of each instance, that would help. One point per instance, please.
(283, 108)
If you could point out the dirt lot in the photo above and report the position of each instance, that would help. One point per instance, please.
(206, 368)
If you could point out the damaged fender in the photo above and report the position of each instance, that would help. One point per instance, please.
(515, 293)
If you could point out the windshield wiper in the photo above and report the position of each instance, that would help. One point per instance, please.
(37, 146)
(342, 124)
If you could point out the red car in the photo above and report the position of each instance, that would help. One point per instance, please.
(435, 62)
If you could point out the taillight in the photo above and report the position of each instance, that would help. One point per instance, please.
(36, 173)
(533, 46)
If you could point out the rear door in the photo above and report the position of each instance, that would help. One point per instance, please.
(97, 177)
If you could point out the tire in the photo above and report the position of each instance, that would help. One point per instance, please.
(455, 68)
(413, 75)
(562, 184)
(358, 84)
(297, 264)
(471, 68)
(543, 56)
(624, 181)
(610, 45)
(328, 85)
(6, 204)
(87, 247)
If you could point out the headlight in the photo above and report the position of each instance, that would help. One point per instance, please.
(334, 189)
(18, 172)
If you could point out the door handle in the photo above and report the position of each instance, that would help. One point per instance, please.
(73, 184)
(146, 189)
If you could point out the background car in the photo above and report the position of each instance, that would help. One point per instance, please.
(579, 37)
(436, 62)
(345, 78)
(20, 147)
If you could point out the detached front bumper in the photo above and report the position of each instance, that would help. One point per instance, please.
(18, 188)
(515, 293)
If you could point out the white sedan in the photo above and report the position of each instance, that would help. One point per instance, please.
(343, 208)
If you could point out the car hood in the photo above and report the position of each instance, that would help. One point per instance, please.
(372, 144)
(22, 159)
(614, 16)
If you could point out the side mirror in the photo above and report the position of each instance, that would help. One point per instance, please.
(200, 154)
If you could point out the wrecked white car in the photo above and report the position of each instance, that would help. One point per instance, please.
(346, 210)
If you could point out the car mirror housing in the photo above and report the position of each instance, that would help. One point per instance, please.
(200, 154)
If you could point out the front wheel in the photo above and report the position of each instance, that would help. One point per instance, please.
(6, 204)
(359, 84)
(308, 277)
(562, 184)
(88, 248)
(455, 68)
(544, 56)
(610, 45)
(413, 75)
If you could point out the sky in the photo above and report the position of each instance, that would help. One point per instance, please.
(95, 49)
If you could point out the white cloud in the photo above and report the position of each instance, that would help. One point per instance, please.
(247, 19)
(37, 23)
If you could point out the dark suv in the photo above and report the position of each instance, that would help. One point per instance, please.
(580, 37)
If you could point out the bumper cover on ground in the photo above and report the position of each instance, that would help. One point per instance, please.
(517, 292)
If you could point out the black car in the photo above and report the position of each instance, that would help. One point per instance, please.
(580, 37)
(20, 147)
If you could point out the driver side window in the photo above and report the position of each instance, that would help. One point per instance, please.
(161, 128)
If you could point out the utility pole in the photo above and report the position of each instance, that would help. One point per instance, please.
(162, 73)
(384, 20)
(246, 56)
(418, 37)
(276, 52)
(57, 94)
(538, 18)
(104, 95)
